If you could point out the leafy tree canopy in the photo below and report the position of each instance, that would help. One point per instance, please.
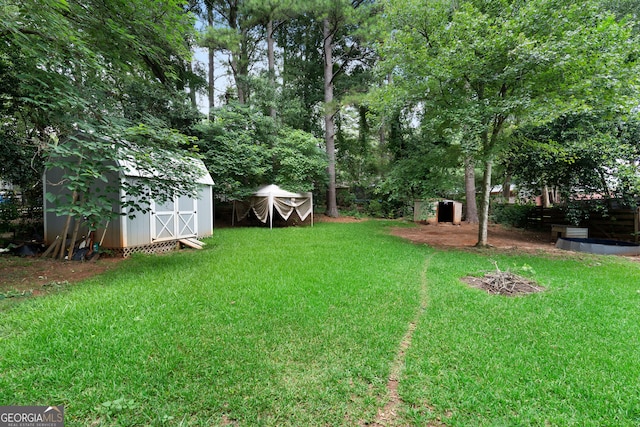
(90, 67)
(483, 67)
(582, 154)
(244, 149)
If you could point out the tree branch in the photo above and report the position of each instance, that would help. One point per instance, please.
(26, 31)
(425, 34)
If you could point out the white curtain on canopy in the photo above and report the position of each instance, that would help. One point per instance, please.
(271, 197)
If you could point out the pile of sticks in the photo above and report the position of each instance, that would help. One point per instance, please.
(506, 283)
(63, 248)
(509, 284)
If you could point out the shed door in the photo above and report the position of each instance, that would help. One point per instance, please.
(174, 219)
(163, 221)
(186, 217)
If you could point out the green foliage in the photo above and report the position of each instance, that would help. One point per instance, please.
(481, 68)
(346, 200)
(71, 65)
(93, 166)
(378, 208)
(585, 154)
(578, 212)
(8, 212)
(302, 89)
(299, 164)
(361, 159)
(220, 38)
(381, 204)
(424, 166)
(235, 146)
(375, 209)
(514, 215)
(243, 149)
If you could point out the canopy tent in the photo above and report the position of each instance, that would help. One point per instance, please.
(263, 202)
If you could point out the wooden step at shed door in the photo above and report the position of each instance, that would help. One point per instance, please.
(192, 243)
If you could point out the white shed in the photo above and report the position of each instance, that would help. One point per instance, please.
(158, 230)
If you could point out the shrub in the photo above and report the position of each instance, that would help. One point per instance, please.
(346, 200)
(8, 213)
(512, 215)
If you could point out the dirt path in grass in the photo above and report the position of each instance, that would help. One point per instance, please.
(388, 415)
(445, 236)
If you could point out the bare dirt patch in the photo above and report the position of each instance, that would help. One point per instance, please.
(340, 219)
(36, 275)
(465, 235)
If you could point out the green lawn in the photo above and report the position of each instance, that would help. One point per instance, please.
(567, 356)
(300, 326)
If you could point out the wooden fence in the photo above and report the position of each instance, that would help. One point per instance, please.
(616, 224)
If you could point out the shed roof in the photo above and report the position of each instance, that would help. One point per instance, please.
(131, 169)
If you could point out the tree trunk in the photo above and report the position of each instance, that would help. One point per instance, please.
(545, 197)
(191, 85)
(211, 72)
(383, 126)
(236, 78)
(67, 224)
(484, 204)
(212, 85)
(329, 116)
(488, 147)
(243, 68)
(74, 237)
(506, 188)
(470, 190)
(271, 59)
(236, 57)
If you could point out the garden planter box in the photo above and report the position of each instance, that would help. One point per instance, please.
(598, 246)
(568, 231)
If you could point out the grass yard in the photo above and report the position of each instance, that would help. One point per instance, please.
(569, 356)
(301, 327)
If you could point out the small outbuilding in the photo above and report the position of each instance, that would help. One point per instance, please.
(159, 229)
(271, 199)
(434, 212)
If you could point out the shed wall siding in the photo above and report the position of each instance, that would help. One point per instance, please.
(54, 224)
(112, 236)
(139, 229)
(136, 231)
(205, 212)
(122, 231)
